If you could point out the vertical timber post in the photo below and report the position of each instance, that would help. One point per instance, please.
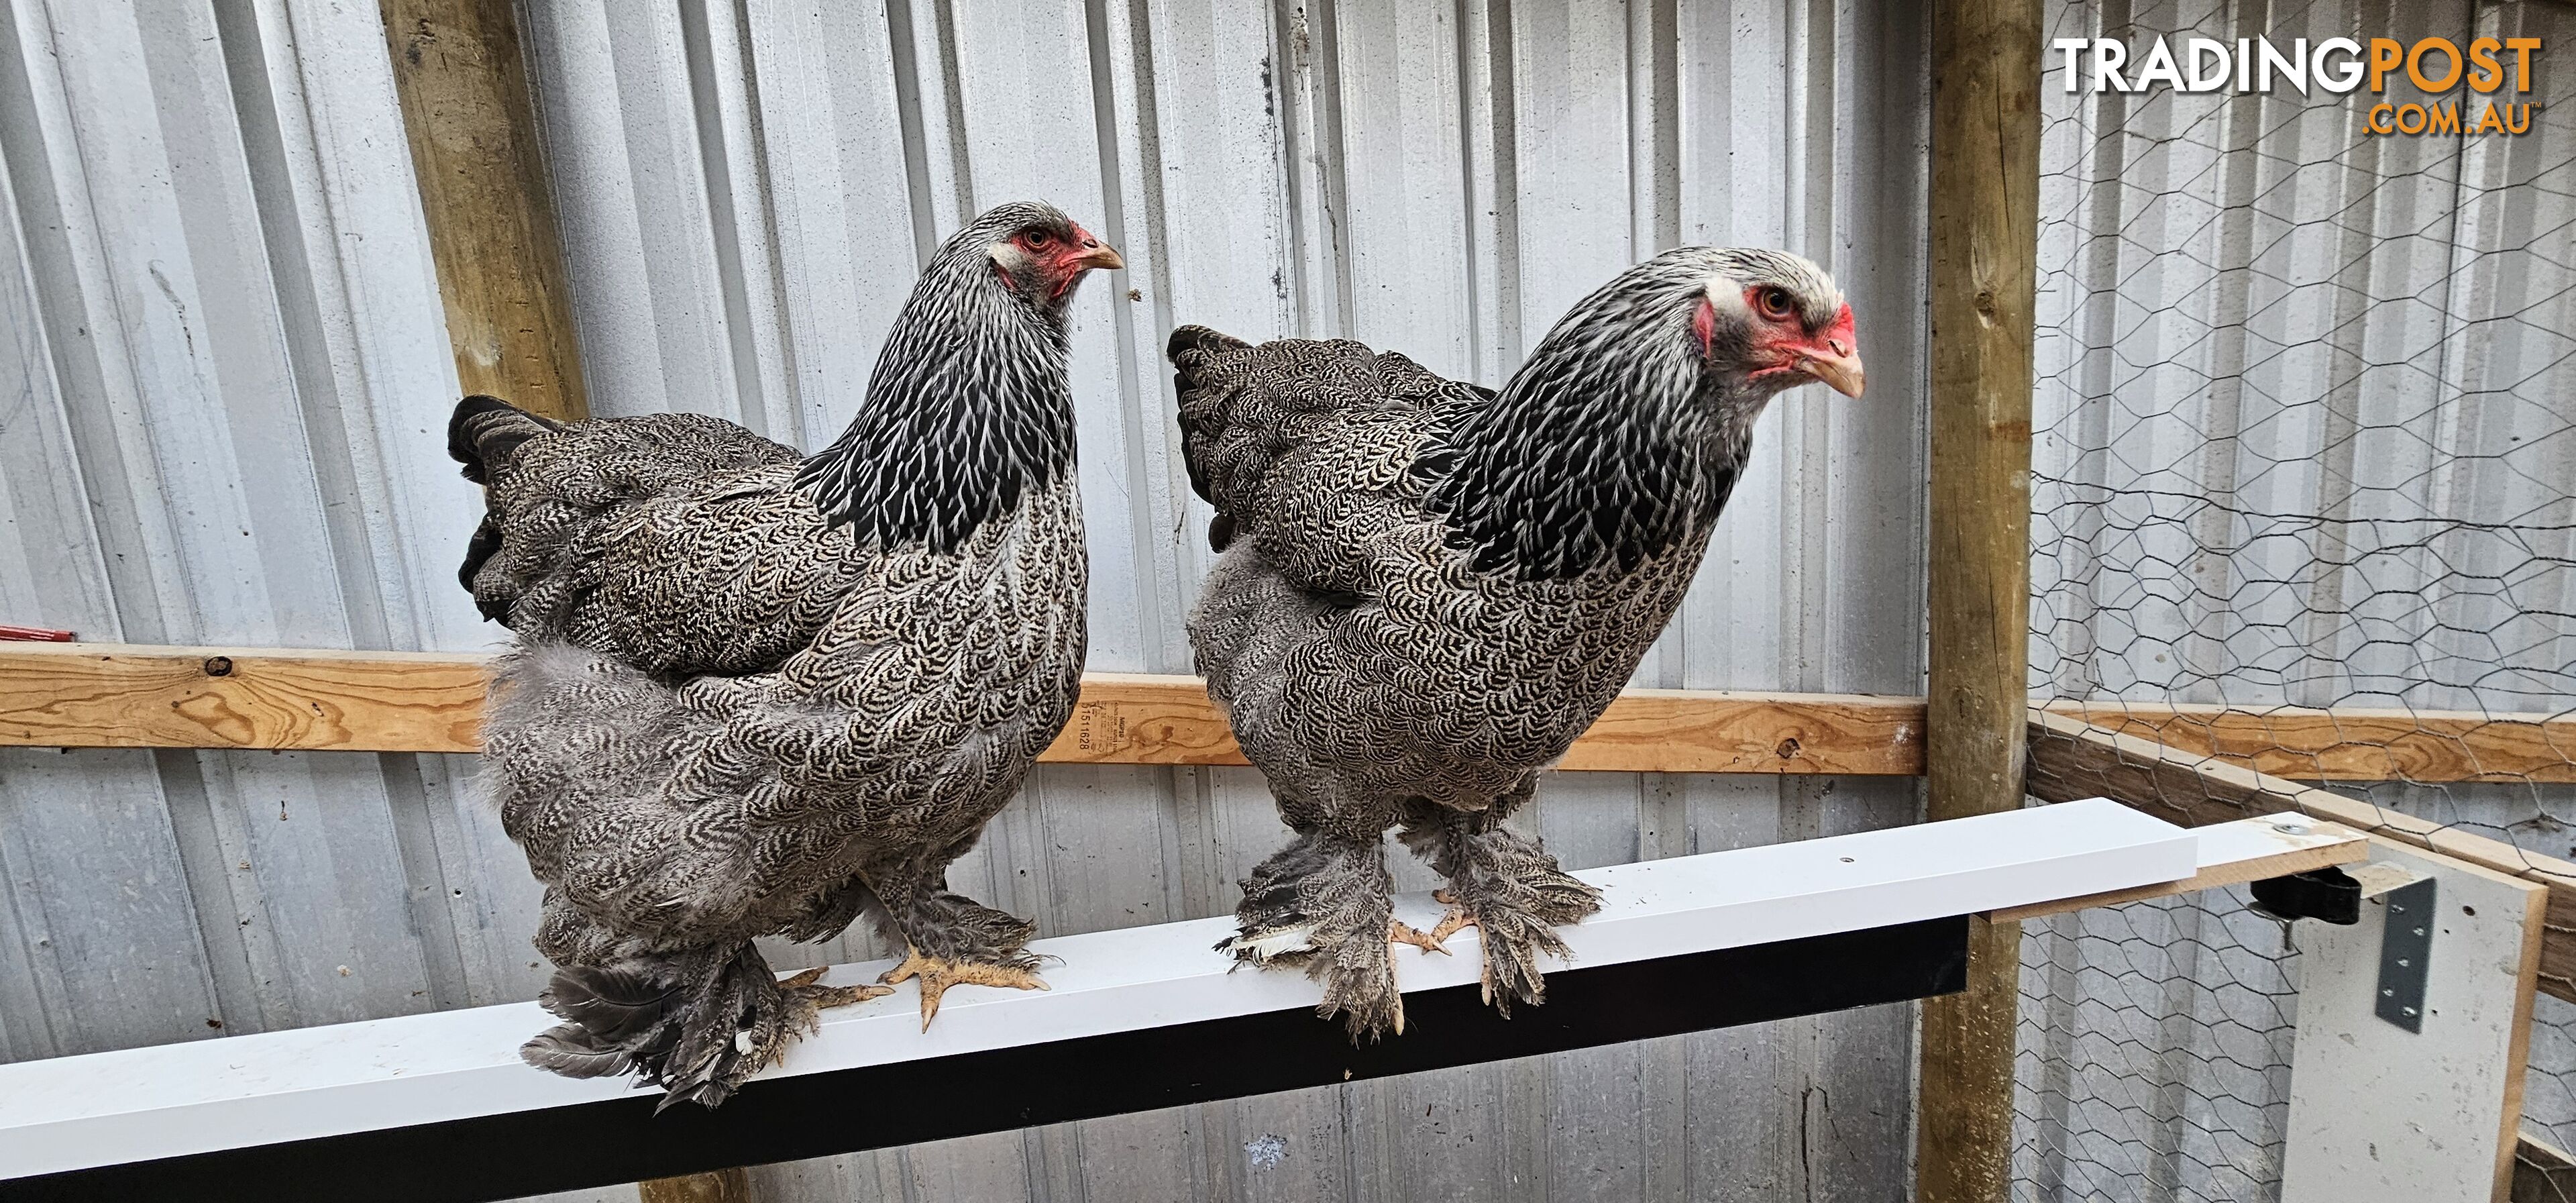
(722, 1186)
(467, 112)
(1985, 229)
(463, 87)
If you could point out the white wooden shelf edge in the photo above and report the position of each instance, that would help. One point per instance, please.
(137, 1104)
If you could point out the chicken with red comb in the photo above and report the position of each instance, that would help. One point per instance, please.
(1429, 589)
(760, 693)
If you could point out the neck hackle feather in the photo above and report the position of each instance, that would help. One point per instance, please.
(969, 409)
(1619, 438)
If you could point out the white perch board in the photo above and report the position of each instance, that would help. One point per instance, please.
(142, 1104)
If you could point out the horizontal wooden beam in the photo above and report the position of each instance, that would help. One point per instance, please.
(2542, 1172)
(2230, 854)
(96, 695)
(2072, 759)
(128, 696)
(2353, 744)
(120, 696)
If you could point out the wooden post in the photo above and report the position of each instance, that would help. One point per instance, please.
(1985, 227)
(722, 1186)
(463, 87)
(464, 93)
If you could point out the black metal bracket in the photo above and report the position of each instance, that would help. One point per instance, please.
(2327, 895)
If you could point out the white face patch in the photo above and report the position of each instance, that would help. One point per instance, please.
(1726, 296)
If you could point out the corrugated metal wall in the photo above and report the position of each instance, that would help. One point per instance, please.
(233, 376)
(224, 371)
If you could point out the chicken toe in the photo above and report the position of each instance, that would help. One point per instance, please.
(823, 998)
(1400, 932)
(938, 974)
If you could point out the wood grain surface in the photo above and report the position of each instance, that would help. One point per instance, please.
(116, 696)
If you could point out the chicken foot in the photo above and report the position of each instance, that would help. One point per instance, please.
(951, 940)
(937, 974)
(803, 988)
(1509, 887)
(1436, 939)
(1321, 903)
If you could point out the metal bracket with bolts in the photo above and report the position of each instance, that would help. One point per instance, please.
(2405, 951)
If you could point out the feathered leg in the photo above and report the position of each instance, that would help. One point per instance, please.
(951, 940)
(1507, 885)
(1321, 902)
(698, 1024)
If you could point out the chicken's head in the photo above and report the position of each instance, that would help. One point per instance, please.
(1773, 320)
(1625, 429)
(1039, 253)
(970, 407)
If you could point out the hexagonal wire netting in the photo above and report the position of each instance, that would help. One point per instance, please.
(2305, 438)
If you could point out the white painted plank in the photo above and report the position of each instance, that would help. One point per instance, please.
(116, 1106)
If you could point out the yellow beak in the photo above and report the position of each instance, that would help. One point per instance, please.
(1837, 365)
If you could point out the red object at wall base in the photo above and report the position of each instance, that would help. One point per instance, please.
(39, 634)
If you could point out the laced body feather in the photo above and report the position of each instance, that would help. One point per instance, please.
(755, 693)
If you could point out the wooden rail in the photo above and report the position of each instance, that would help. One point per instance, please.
(124, 696)
(2352, 744)
(117, 696)
(2071, 759)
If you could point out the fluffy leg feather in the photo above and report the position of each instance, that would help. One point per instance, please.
(697, 1024)
(1506, 884)
(1321, 902)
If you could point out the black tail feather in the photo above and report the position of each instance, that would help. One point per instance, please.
(479, 551)
(482, 435)
(1187, 349)
(1198, 338)
(484, 430)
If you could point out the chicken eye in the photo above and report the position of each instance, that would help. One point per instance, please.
(1775, 303)
(1038, 240)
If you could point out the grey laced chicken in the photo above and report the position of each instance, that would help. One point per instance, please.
(756, 693)
(1429, 589)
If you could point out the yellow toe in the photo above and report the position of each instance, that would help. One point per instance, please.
(937, 975)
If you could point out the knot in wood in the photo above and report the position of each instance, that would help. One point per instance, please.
(219, 666)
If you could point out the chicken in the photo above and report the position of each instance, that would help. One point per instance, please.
(1429, 589)
(756, 693)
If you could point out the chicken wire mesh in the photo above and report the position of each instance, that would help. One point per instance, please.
(2304, 442)
(2154, 1052)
